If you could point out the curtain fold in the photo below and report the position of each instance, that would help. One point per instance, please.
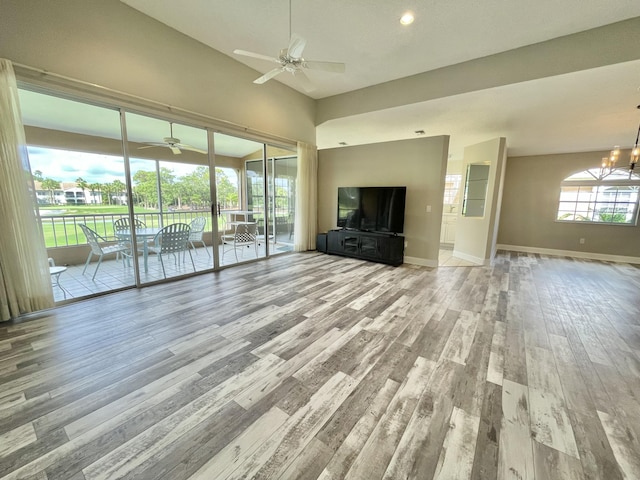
(306, 222)
(25, 283)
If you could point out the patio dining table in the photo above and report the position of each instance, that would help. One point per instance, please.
(142, 234)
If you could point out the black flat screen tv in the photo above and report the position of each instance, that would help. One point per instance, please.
(372, 209)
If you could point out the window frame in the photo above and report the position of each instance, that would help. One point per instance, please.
(598, 187)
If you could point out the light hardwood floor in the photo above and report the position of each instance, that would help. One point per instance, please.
(313, 366)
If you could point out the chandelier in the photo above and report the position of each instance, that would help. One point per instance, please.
(635, 152)
(609, 163)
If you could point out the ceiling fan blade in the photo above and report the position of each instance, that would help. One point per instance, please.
(182, 146)
(268, 75)
(152, 145)
(256, 55)
(174, 149)
(296, 46)
(304, 81)
(334, 67)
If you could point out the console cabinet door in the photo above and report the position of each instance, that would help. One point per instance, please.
(394, 250)
(369, 246)
(334, 242)
(351, 244)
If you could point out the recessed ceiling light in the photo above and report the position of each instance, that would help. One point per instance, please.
(407, 18)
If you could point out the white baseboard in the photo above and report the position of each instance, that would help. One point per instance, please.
(423, 262)
(571, 253)
(470, 258)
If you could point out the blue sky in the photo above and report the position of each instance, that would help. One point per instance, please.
(67, 166)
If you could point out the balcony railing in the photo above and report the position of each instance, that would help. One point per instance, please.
(64, 230)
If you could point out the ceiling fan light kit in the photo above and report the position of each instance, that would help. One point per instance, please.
(609, 163)
(635, 152)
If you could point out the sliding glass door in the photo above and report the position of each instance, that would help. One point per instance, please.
(282, 198)
(171, 198)
(78, 167)
(240, 203)
(109, 183)
(277, 204)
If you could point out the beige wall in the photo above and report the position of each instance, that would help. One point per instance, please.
(530, 202)
(418, 164)
(107, 43)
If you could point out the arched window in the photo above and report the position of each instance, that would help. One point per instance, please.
(589, 196)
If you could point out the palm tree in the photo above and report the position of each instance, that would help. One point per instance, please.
(50, 185)
(94, 187)
(107, 190)
(82, 184)
(118, 189)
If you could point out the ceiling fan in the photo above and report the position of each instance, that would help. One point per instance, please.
(292, 61)
(174, 144)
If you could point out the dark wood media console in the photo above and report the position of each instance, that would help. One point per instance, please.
(376, 247)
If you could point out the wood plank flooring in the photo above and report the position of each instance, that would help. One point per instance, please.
(310, 366)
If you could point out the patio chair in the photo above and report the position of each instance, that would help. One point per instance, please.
(100, 246)
(260, 236)
(197, 229)
(244, 235)
(55, 272)
(122, 225)
(172, 239)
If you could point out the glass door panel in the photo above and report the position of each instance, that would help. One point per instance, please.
(75, 152)
(169, 170)
(256, 201)
(282, 198)
(240, 191)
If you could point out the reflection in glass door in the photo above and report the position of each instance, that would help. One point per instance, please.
(169, 171)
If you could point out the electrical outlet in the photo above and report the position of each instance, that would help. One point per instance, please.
(582, 241)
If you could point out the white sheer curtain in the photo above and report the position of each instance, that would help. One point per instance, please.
(25, 283)
(306, 224)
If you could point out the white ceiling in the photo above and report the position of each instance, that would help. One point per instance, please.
(576, 112)
(583, 111)
(367, 34)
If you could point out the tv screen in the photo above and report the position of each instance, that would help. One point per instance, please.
(372, 209)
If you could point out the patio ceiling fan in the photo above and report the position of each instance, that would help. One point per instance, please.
(174, 144)
(291, 60)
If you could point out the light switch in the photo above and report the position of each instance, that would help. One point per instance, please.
(428, 208)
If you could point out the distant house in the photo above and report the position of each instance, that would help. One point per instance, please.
(68, 194)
